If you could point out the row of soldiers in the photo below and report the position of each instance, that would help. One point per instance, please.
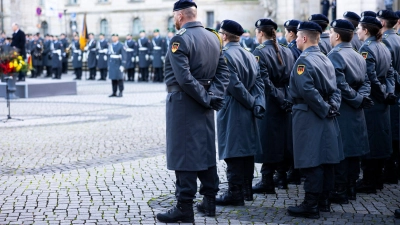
(324, 106)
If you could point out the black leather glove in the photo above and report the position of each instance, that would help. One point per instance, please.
(367, 103)
(333, 112)
(217, 102)
(258, 112)
(391, 99)
(287, 106)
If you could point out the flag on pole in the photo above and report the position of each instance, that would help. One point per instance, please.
(84, 34)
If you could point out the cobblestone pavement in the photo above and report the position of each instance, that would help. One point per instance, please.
(90, 159)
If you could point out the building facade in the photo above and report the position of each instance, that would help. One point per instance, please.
(131, 16)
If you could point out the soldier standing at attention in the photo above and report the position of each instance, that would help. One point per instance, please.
(116, 69)
(354, 19)
(380, 74)
(91, 61)
(47, 54)
(131, 49)
(102, 61)
(195, 89)
(276, 62)
(238, 137)
(144, 56)
(37, 57)
(291, 36)
(352, 80)
(77, 58)
(316, 136)
(323, 21)
(392, 41)
(170, 35)
(159, 51)
(65, 43)
(56, 59)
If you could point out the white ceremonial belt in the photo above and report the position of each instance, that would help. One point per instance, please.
(129, 50)
(115, 56)
(142, 49)
(93, 49)
(157, 48)
(77, 51)
(57, 52)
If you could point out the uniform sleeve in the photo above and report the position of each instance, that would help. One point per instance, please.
(258, 91)
(275, 94)
(351, 96)
(181, 68)
(221, 79)
(378, 90)
(236, 87)
(390, 80)
(306, 89)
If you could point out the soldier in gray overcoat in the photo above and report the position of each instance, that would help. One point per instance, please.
(158, 55)
(77, 57)
(102, 57)
(37, 57)
(195, 89)
(352, 80)
(323, 21)
(115, 66)
(47, 54)
(56, 58)
(238, 137)
(131, 50)
(276, 63)
(392, 41)
(91, 49)
(317, 142)
(354, 19)
(380, 74)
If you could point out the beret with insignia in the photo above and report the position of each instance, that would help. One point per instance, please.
(342, 25)
(312, 26)
(266, 22)
(387, 14)
(291, 23)
(352, 16)
(371, 20)
(319, 18)
(232, 27)
(183, 4)
(368, 13)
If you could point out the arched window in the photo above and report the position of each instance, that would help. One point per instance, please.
(104, 26)
(171, 22)
(45, 28)
(137, 26)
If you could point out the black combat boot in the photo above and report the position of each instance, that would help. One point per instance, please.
(365, 186)
(207, 206)
(324, 204)
(265, 185)
(351, 190)
(293, 176)
(397, 213)
(339, 195)
(234, 196)
(182, 212)
(281, 181)
(247, 190)
(308, 208)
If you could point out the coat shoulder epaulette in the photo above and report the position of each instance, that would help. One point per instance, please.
(398, 34)
(385, 36)
(337, 49)
(283, 45)
(355, 50)
(304, 54)
(225, 48)
(216, 34)
(181, 31)
(368, 42)
(290, 45)
(260, 46)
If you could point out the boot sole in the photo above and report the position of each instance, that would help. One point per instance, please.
(176, 221)
(310, 216)
(230, 203)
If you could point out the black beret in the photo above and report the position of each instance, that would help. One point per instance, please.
(114, 35)
(318, 18)
(183, 4)
(291, 23)
(352, 16)
(232, 27)
(368, 13)
(387, 14)
(309, 26)
(9, 38)
(371, 20)
(266, 22)
(342, 25)
(398, 13)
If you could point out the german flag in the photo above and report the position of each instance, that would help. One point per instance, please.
(30, 67)
(84, 34)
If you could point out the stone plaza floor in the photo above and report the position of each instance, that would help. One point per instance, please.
(90, 159)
